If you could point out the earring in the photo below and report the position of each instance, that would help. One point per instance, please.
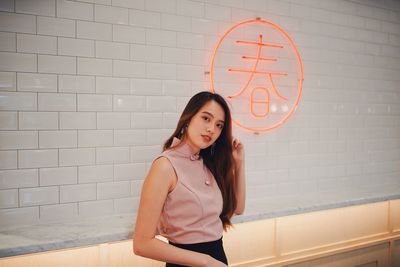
(212, 149)
(182, 131)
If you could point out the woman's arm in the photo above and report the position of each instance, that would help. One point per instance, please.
(238, 156)
(160, 180)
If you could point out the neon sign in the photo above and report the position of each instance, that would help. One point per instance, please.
(257, 68)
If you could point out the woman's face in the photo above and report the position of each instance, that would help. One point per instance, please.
(206, 126)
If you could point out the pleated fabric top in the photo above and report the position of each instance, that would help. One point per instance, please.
(191, 210)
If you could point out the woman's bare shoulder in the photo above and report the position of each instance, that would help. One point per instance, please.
(163, 164)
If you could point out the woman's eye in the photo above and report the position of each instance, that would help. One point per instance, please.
(206, 118)
(220, 126)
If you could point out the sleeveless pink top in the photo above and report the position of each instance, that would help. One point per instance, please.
(191, 210)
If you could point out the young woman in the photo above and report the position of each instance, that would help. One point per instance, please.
(193, 188)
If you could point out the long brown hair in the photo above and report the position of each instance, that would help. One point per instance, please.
(220, 162)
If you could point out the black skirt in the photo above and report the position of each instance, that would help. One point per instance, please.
(213, 248)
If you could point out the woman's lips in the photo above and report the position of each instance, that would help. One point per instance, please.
(206, 138)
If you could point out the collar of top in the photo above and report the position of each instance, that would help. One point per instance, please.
(184, 149)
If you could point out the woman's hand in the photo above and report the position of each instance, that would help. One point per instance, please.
(214, 263)
(237, 152)
(238, 156)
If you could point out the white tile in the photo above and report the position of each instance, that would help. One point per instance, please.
(11, 22)
(160, 71)
(24, 216)
(190, 40)
(128, 34)
(114, 15)
(156, 136)
(94, 66)
(96, 208)
(147, 120)
(76, 84)
(181, 103)
(176, 55)
(101, 2)
(129, 103)
(109, 155)
(373, 24)
(137, 4)
(132, 69)
(8, 199)
(175, 23)
(57, 64)
(204, 26)
(8, 120)
(77, 120)
(389, 51)
(18, 62)
(8, 42)
(57, 139)
(190, 8)
(110, 85)
(129, 137)
(79, 192)
(94, 30)
(161, 6)
(19, 178)
(161, 103)
(112, 50)
(8, 160)
(77, 156)
(146, 87)
(7, 5)
(38, 120)
(131, 171)
(59, 213)
(8, 81)
(95, 138)
(147, 53)
(37, 158)
(191, 73)
(113, 120)
(255, 5)
(144, 153)
(215, 12)
(136, 188)
(38, 196)
(91, 102)
(58, 176)
(96, 173)
(126, 205)
(142, 18)
(18, 139)
(161, 37)
(55, 26)
(37, 82)
(355, 21)
(113, 190)
(177, 88)
(18, 101)
(75, 47)
(74, 10)
(37, 7)
(56, 102)
(170, 120)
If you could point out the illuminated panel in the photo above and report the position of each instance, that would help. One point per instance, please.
(257, 68)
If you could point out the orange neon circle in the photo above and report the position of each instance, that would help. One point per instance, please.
(254, 71)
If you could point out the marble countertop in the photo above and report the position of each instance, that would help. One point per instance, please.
(46, 237)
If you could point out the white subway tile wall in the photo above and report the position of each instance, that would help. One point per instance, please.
(89, 91)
